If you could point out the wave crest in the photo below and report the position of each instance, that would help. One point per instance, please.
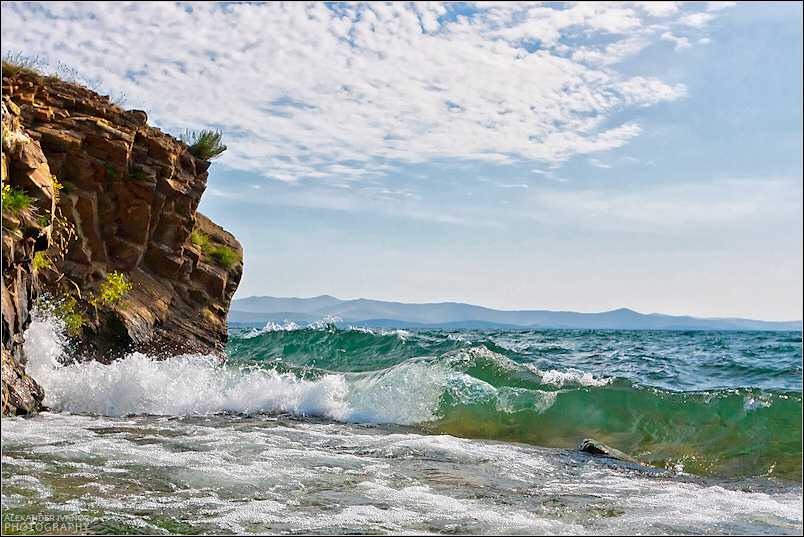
(571, 376)
(327, 323)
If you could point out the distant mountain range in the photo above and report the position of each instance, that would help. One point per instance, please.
(260, 310)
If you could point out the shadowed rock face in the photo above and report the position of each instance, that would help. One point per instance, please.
(128, 204)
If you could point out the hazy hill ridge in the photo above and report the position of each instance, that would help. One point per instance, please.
(376, 313)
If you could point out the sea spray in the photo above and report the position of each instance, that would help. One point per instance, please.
(183, 385)
(200, 385)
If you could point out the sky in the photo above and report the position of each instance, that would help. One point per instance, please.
(561, 156)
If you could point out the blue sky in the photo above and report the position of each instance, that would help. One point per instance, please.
(580, 157)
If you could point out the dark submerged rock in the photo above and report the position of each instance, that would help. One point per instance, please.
(599, 448)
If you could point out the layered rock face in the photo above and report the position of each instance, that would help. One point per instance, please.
(110, 196)
(24, 234)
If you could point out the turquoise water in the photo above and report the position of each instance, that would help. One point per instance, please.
(725, 404)
(327, 429)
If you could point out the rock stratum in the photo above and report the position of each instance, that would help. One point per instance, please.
(109, 196)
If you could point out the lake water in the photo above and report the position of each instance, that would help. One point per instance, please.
(327, 430)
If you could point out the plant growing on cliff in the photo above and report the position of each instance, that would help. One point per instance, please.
(199, 239)
(57, 187)
(73, 321)
(62, 309)
(205, 145)
(222, 255)
(15, 199)
(14, 63)
(65, 310)
(112, 290)
(226, 257)
(41, 260)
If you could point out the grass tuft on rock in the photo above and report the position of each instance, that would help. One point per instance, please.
(14, 63)
(224, 256)
(15, 200)
(204, 145)
(199, 239)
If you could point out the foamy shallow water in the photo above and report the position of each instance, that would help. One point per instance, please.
(285, 474)
(189, 445)
(281, 474)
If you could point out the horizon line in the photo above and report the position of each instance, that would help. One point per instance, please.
(517, 310)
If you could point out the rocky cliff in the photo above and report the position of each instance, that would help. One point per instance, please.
(107, 230)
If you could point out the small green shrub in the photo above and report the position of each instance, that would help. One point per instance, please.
(225, 257)
(15, 199)
(63, 309)
(199, 239)
(112, 290)
(72, 321)
(205, 145)
(222, 255)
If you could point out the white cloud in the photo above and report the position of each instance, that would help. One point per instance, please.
(549, 175)
(304, 90)
(659, 9)
(717, 6)
(597, 164)
(506, 185)
(696, 20)
(681, 42)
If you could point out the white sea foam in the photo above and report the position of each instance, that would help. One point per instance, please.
(286, 326)
(457, 337)
(362, 330)
(250, 477)
(467, 390)
(571, 376)
(327, 323)
(187, 385)
(404, 335)
(407, 393)
(762, 400)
